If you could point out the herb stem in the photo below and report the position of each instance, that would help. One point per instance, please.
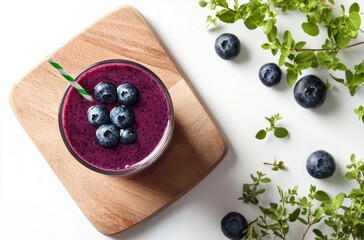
(306, 231)
(331, 49)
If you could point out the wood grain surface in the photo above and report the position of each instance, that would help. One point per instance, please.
(114, 204)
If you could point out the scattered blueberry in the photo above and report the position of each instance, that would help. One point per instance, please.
(121, 117)
(107, 135)
(127, 94)
(227, 46)
(320, 164)
(98, 115)
(270, 74)
(233, 225)
(310, 91)
(105, 92)
(127, 136)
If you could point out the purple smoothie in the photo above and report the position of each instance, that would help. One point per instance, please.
(153, 119)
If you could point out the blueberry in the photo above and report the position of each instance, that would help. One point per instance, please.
(127, 94)
(105, 92)
(270, 74)
(233, 225)
(127, 136)
(227, 46)
(320, 164)
(122, 117)
(107, 135)
(310, 91)
(98, 115)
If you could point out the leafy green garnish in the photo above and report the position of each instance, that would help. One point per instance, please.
(279, 132)
(341, 26)
(342, 215)
(252, 190)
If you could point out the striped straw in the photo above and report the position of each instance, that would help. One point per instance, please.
(70, 79)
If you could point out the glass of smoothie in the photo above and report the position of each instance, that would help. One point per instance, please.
(128, 127)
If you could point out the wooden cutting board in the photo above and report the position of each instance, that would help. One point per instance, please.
(114, 204)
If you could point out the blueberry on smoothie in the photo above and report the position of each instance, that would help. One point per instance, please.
(227, 46)
(98, 115)
(310, 91)
(127, 136)
(270, 74)
(122, 117)
(105, 92)
(127, 94)
(320, 164)
(233, 225)
(107, 135)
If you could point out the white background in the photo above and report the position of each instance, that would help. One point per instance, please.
(35, 205)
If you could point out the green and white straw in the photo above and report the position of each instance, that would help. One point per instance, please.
(70, 79)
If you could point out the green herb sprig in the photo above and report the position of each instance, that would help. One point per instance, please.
(276, 165)
(342, 215)
(279, 132)
(341, 27)
(252, 190)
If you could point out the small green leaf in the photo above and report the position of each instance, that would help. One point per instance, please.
(355, 193)
(354, 8)
(304, 57)
(310, 28)
(353, 22)
(227, 16)
(266, 46)
(300, 45)
(287, 37)
(265, 180)
(294, 215)
(212, 5)
(314, 16)
(261, 134)
(282, 59)
(318, 233)
(358, 79)
(254, 178)
(318, 213)
(272, 35)
(273, 205)
(260, 191)
(202, 3)
(223, 3)
(291, 77)
(340, 66)
(285, 51)
(302, 221)
(324, 58)
(349, 76)
(339, 80)
(251, 23)
(280, 132)
(246, 187)
(338, 200)
(321, 196)
(268, 26)
(342, 38)
(350, 175)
